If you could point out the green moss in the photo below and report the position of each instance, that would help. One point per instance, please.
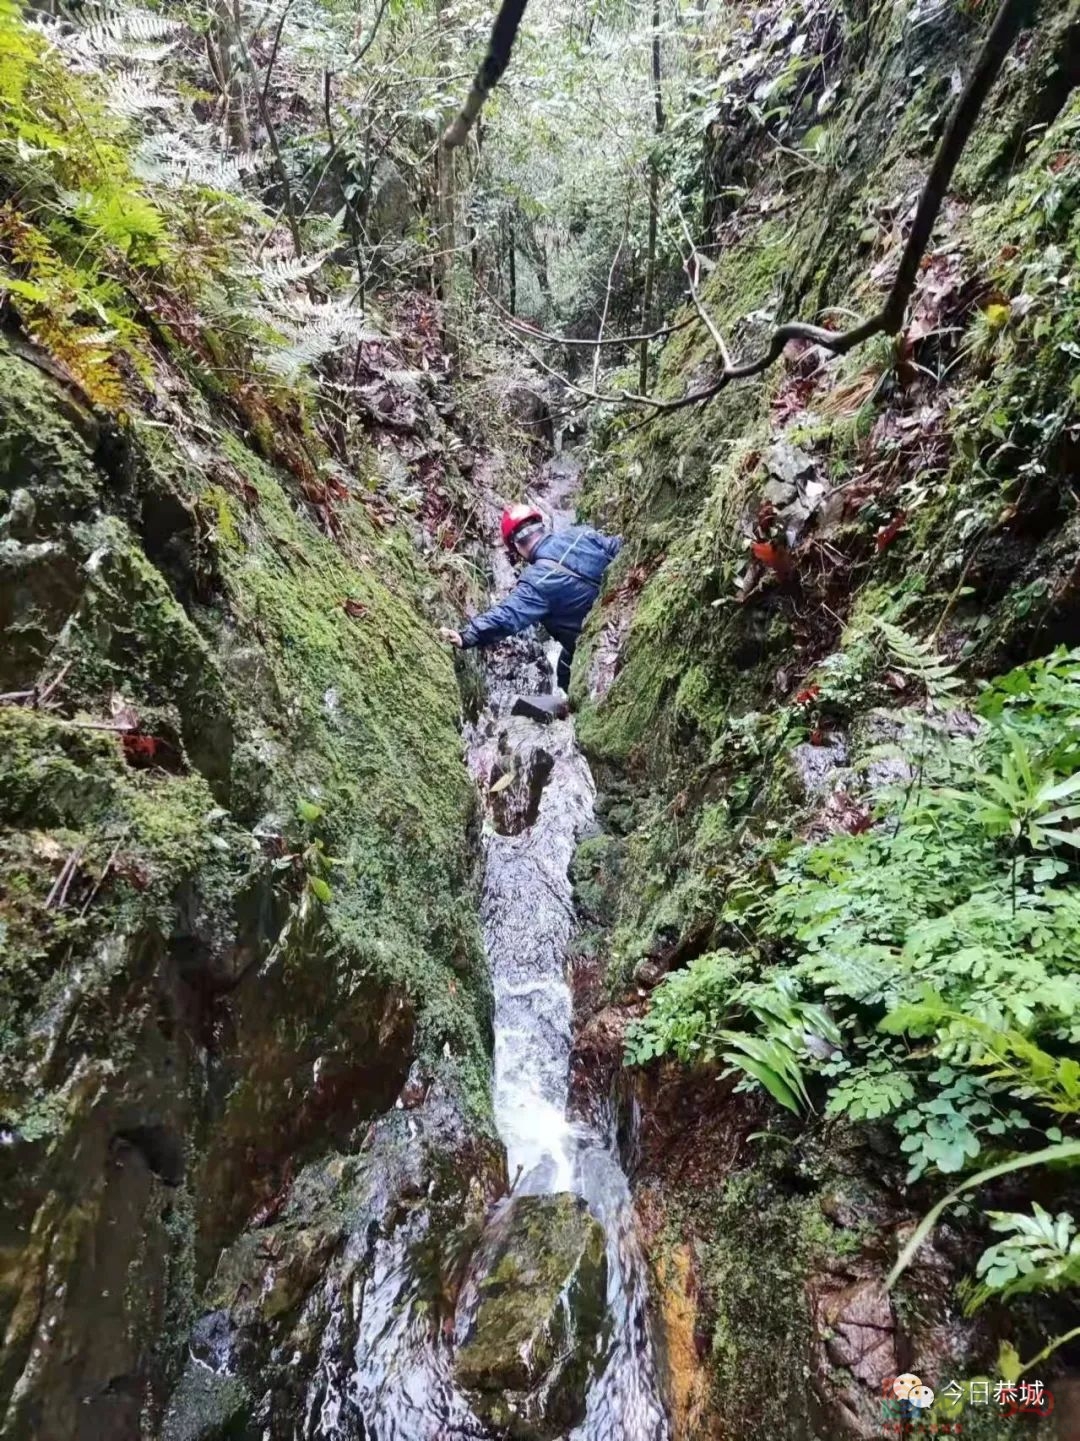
(758, 1311)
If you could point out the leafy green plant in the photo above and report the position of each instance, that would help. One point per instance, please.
(787, 1030)
(1024, 799)
(1038, 1252)
(687, 1011)
(942, 941)
(1061, 1153)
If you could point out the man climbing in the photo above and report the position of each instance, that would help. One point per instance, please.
(558, 586)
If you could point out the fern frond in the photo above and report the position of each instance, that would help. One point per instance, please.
(100, 27)
(278, 271)
(289, 360)
(919, 659)
(303, 316)
(170, 162)
(134, 93)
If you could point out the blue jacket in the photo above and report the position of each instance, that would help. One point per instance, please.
(549, 594)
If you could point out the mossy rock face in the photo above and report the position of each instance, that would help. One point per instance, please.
(534, 1341)
(193, 1004)
(285, 1315)
(731, 690)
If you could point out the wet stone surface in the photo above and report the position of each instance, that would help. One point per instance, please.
(540, 1307)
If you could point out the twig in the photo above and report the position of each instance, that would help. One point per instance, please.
(271, 135)
(45, 694)
(370, 41)
(60, 887)
(328, 76)
(707, 320)
(100, 880)
(274, 49)
(611, 340)
(607, 296)
(37, 696)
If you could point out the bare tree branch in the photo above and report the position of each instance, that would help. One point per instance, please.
(888, 320)
(503, 34)
(274, 49)
(271, 135)
(706, 318)
(659, 121)
(612, 340)
(370, 41)
(1007, 25)
(607, 296)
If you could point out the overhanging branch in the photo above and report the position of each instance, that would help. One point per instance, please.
(1007, 24)
(503, 34)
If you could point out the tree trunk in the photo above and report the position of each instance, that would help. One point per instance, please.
(229, 76)
(654, 204)
(512, 260)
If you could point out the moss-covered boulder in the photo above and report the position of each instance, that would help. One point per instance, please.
(535, 1338)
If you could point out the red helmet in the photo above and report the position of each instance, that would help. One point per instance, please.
(515, 516)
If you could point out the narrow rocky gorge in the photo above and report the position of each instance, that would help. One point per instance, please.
(379, 1062)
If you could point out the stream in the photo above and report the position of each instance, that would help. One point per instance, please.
(403, 1385)
(529, 922)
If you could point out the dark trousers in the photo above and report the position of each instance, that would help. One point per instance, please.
(562, 670)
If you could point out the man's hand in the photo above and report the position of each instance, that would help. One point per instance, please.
(452, 637)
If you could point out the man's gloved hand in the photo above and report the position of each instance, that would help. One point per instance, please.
(452, 637)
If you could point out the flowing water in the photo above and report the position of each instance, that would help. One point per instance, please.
(528, 925)
(403, 1386)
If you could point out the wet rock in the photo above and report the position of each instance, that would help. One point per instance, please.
(267, 1274)
(39, 588)
(516, 792)
(526, 405)
(207, 1406)
(816, 766)
(649, 973)
(858, 1322)
(391, 208)
(532, 1343)
(786, 463)
(18, 522)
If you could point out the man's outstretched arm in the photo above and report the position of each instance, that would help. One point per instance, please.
(523, 607)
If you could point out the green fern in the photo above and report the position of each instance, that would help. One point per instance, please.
(919, 660)
(107, 30)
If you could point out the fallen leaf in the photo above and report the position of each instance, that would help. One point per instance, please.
(139, 750)
(888, 533)
(775, 557)
(355, 609)
(811, 692)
